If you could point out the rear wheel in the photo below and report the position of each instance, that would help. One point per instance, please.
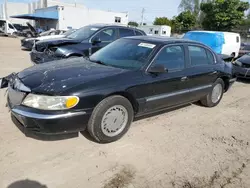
(215, 96)
(111, 119)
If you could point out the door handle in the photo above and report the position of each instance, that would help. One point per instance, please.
(184, 78)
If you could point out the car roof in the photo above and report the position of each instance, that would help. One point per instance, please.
(113, 25)
(163, 40)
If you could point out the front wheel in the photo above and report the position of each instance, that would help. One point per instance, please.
(111, 119)
(215, 96)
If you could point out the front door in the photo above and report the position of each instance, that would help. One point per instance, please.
(102, 39)
(170, 88)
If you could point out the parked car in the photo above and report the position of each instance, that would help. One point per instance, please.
(226, 43)
(128, 78)
(28, 43)
(242, 66)
(244, 49)
(6, 27)
(84, 42)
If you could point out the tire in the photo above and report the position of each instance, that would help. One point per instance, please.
(98, 126)
(208, 101)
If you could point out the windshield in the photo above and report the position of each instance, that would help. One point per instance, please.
(69, 32)
(124, 53)
(83, 33)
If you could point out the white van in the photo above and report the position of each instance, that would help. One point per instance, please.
(226, 43)
(7, 27)
(156, 30)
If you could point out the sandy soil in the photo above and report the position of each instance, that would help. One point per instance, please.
(191, 147)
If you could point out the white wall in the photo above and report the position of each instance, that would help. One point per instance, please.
(77, 17)
(11, 9)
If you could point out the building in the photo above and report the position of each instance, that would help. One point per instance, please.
(58, 15)
(157, 30)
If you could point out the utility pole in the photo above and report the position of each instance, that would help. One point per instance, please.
(142, 15)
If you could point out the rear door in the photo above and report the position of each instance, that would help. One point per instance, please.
(169, 88)
(105, 37)
(201, 70)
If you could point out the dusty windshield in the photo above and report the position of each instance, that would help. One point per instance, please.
(83, 33)
(124, 53)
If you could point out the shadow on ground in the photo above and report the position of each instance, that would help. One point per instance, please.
(245, 81)
(26, 184)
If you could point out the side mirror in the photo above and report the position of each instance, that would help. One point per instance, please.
(96, 40)
(158, 69)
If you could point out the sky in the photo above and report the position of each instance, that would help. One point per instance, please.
(153, 8)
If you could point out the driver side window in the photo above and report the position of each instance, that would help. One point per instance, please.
(172, 57)
(106, 35)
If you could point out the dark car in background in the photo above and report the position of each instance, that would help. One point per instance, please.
(244, 49)
(84, 42)
(28, 43)
(242, 66)
(130, 77)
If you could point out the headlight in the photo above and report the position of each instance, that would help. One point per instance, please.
(44, 102)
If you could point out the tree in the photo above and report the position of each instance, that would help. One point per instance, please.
(162, 21)
(192, 6)
(185, 21)
(223, 15)
(132, 23)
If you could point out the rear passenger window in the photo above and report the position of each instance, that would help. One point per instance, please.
(199, 56)
(210, 57)
(172, 58)
(126, 32)
(138, 33)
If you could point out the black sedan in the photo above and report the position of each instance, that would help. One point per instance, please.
(242, 67)
(84, 42)
(128, 78)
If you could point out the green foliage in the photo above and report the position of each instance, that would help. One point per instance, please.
(185, 21)
(162, 21)
(223, 15)
(132, 23)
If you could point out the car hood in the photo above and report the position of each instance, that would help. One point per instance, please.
(244, 59)
(55, 77)
(50, 37)
(57, 42)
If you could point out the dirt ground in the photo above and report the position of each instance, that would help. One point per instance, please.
(191, 147)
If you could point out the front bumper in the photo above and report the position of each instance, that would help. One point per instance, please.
(42, 57)
(50, 123)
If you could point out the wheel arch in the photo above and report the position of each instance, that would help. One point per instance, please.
(128, 96)
(226, 82)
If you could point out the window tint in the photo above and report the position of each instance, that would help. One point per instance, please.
(138, 33)
(210, 57)
(10, 26)
(164, 32)
(171, 57)
(126, 32)
(198, 56)
(106, 35)
(156, 32)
